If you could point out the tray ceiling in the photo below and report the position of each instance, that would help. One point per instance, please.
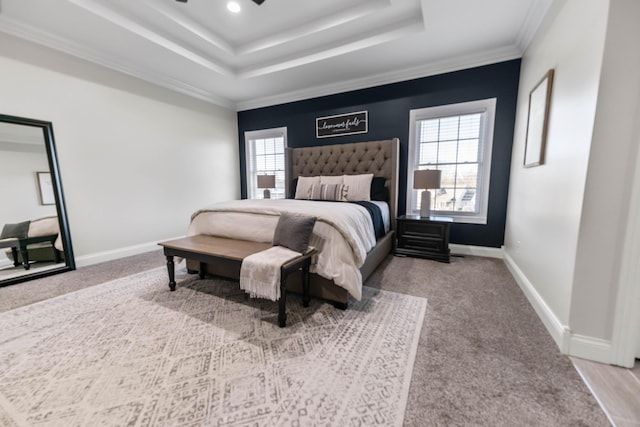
(283, 50)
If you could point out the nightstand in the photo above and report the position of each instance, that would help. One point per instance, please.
(424, 237)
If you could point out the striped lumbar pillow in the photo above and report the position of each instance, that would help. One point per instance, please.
(331, 192)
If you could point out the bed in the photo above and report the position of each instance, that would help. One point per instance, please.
(377, 157)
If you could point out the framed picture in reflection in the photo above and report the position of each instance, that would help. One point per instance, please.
(45, 188)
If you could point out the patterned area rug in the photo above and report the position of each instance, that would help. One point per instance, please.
(131, 353)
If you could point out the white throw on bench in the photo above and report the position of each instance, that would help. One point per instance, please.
(260, 272)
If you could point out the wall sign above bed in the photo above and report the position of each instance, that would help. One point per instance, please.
(342, 124)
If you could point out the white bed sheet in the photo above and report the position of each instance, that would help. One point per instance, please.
(343, 233)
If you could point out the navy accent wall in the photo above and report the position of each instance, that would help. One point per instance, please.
(388, 108)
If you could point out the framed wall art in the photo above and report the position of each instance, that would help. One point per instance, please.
(538, 121)
(45, 188)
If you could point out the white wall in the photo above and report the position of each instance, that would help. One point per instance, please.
(545, 202)
(136, 160)
(568, 221)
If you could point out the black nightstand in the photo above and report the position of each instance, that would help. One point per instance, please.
(424, 237)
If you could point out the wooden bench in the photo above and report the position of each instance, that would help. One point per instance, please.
(211, 249)
(21, 244)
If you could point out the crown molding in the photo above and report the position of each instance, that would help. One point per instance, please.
(401, 27)
(438, 67)
(434, 68)
(54, 42)
(140, 30)
(192, 27)
(406, 27)
(320, 25)
(535, 15)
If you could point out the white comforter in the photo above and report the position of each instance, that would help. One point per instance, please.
(343, 233)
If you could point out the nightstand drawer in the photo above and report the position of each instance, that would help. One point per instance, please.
(420, 243)
(424, 229)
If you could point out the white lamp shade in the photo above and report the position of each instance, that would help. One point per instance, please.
(427, 178)
(266, 181)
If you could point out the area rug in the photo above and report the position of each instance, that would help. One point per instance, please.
(131, 353)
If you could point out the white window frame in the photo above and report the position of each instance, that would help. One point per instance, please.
(487, 108)
(253, 192)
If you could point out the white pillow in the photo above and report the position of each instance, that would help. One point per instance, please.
(330, 179)
(303, 188)
(359, 187)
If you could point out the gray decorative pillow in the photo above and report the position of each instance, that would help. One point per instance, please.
(17, 231)
(294, 231)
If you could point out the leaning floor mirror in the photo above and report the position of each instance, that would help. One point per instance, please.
(35, 240)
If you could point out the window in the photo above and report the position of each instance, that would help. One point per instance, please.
(265, 156)
(457, 140)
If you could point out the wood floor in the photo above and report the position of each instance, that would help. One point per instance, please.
(616, 389)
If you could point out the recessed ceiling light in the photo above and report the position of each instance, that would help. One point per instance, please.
(233, 6)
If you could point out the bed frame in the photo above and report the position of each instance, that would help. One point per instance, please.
(377, 157)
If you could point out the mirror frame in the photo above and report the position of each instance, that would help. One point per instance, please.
(52, 157)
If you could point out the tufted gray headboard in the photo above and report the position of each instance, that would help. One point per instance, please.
(377, 157)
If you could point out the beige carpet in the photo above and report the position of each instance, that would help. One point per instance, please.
(131, 353)
(484, 357)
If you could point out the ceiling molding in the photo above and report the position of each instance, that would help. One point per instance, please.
(202, 62)
(381, 35)
(322, 24)
(438, 67)
(137, 28)
(407, 26)
(535, 15)
(476, 59)
(35, 35)
(192, 27)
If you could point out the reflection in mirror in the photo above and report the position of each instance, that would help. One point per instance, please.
(35, 239)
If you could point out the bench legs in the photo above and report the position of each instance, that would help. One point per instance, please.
(172, 273)
(305, 284)
(203, 270)
(14, 254)
(25, 256)
(282, 302)
(284, 273)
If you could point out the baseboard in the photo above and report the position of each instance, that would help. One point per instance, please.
(577, 345)
(591, 348)
(559, 332)
(484, 251)
(85, 260)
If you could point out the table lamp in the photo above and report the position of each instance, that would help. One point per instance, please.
(424, 180)
(266, 182)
